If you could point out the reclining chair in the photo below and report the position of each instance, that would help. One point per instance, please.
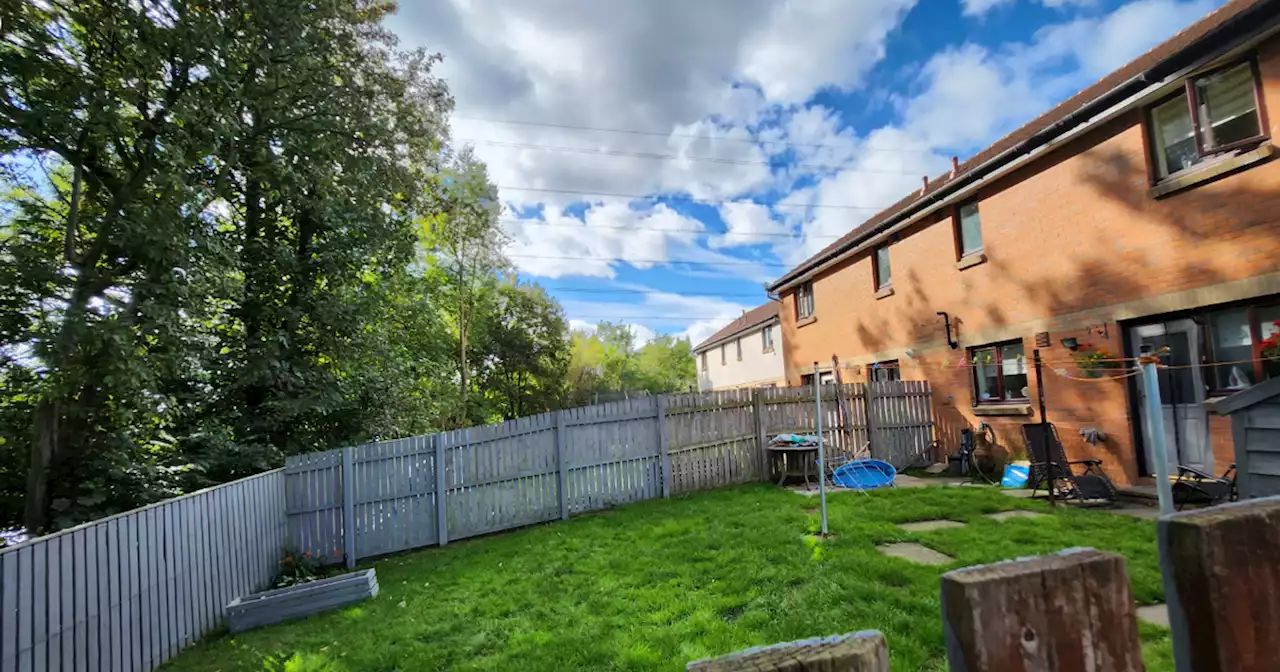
(1051, 468)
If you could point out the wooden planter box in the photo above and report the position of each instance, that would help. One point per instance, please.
(300, 601)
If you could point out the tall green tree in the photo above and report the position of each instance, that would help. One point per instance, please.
(524, 338)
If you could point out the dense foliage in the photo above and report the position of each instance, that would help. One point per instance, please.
(235, 230)
(607, 365)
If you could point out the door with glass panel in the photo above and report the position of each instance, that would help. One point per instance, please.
(1182, 395)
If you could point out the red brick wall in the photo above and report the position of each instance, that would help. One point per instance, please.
(1071, 232)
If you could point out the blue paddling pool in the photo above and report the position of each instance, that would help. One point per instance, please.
(865, 475)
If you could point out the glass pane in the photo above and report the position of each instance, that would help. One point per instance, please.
(1175, 141)
(1228, 108)
(1231, 343)
(883, 274)
(970, 229)
(985, 375)
(1014, 367)
(1177, 385)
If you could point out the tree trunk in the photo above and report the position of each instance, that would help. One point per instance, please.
(43, 448)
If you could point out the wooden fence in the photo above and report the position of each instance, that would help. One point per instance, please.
(128, 592)
(555, 465)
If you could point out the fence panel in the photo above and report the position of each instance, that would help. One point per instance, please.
(501, 476)
(902, 417)
(114, 594)
(611, 454)
(712, 440)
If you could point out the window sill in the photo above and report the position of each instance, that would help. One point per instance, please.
(1211, 171)
(1003, 409)
(806, 321)
(884, 293)
(970, 260)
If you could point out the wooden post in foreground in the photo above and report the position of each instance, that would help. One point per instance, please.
(864, 651)
(1222, 583)
(1067, 612)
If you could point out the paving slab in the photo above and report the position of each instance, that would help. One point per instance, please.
(1136, 511)
(915, 553)
(1020, 493)
(1006, 515)
(1156, 614)
(930, 525)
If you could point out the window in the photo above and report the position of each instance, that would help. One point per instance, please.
(766, 339)
(738, 343)
(999, 373)
(969, 230)
(723, 361)
(826, 379)
(1233, 339)
(1218, 112)
(804, 301)
(806, 380)
(880, 261)
(883, 372)
(704, 360)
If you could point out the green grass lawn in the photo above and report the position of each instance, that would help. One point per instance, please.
(654, 585)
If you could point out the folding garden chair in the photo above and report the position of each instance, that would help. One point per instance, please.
(1050, 466)
(1196, 487)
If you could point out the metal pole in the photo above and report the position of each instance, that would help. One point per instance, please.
(1045, 432)
(1155, 428)
(822, 463)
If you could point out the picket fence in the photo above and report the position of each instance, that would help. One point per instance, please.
(126, 593)
(429, 490)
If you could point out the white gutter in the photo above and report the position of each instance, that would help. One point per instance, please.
(973, 186)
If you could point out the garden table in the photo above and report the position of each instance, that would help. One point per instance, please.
(807, 456)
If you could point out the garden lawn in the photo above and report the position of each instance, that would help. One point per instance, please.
(654, 585)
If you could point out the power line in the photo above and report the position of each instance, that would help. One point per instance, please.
(703, 201)
(652, 261)
(674, 157)
(691, 136)
(597, 290)
(588, 227)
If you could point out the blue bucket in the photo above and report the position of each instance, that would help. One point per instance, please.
(865, 475)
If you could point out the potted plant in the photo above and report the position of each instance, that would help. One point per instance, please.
(1094, 361)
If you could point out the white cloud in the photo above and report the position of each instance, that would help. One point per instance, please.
(700, 316)
(981, 7)
(747, 223)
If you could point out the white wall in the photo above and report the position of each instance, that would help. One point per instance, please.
(756, 368)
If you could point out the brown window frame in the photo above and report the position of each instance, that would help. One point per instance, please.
(958, 231)
(805, 288)
(998, 363)
(875, 267)
(1189, 93)
(1203, 317)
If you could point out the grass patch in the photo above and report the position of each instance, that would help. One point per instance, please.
(654, 585)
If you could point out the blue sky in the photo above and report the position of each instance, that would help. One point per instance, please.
(660, 160)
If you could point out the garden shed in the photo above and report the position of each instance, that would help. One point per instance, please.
(1255, 431)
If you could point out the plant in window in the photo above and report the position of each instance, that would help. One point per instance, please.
(1271, 346)
(1093, 361)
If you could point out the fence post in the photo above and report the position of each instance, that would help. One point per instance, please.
(562, 483)
(762, 442)
(1221, 577)
(864, 651)
(442, 494)
(663, 445)
(1067, 612)
(349, 505)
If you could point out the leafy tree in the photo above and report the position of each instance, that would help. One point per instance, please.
(605, 363)
(525, 341)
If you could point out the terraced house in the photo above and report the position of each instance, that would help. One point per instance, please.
(1145, 210)
(747, 352)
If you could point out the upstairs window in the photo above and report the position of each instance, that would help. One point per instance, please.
(884, 276)
(1216, 113)
(723, 350)
(804, 301)
(766, 339)
(704, 360)
(738, 342)
(969, 229)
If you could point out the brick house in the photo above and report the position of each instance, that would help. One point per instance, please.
(744, 353)
(1143, 210)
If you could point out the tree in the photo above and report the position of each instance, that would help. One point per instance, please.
(605, 362)
(525, 341)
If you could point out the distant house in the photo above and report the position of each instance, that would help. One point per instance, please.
(745, 353)
(1143, 211)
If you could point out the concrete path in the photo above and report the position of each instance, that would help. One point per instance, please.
(1156, 614)
(915, 553)
(1006, 515)
(930, 525)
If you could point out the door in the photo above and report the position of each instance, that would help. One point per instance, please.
(1182, 394)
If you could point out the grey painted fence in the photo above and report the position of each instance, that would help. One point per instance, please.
(427, 490)
(127, 592)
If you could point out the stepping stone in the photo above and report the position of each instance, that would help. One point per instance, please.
(915, 553)
(1156, 614)
(930, 525)
(1006, 515)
